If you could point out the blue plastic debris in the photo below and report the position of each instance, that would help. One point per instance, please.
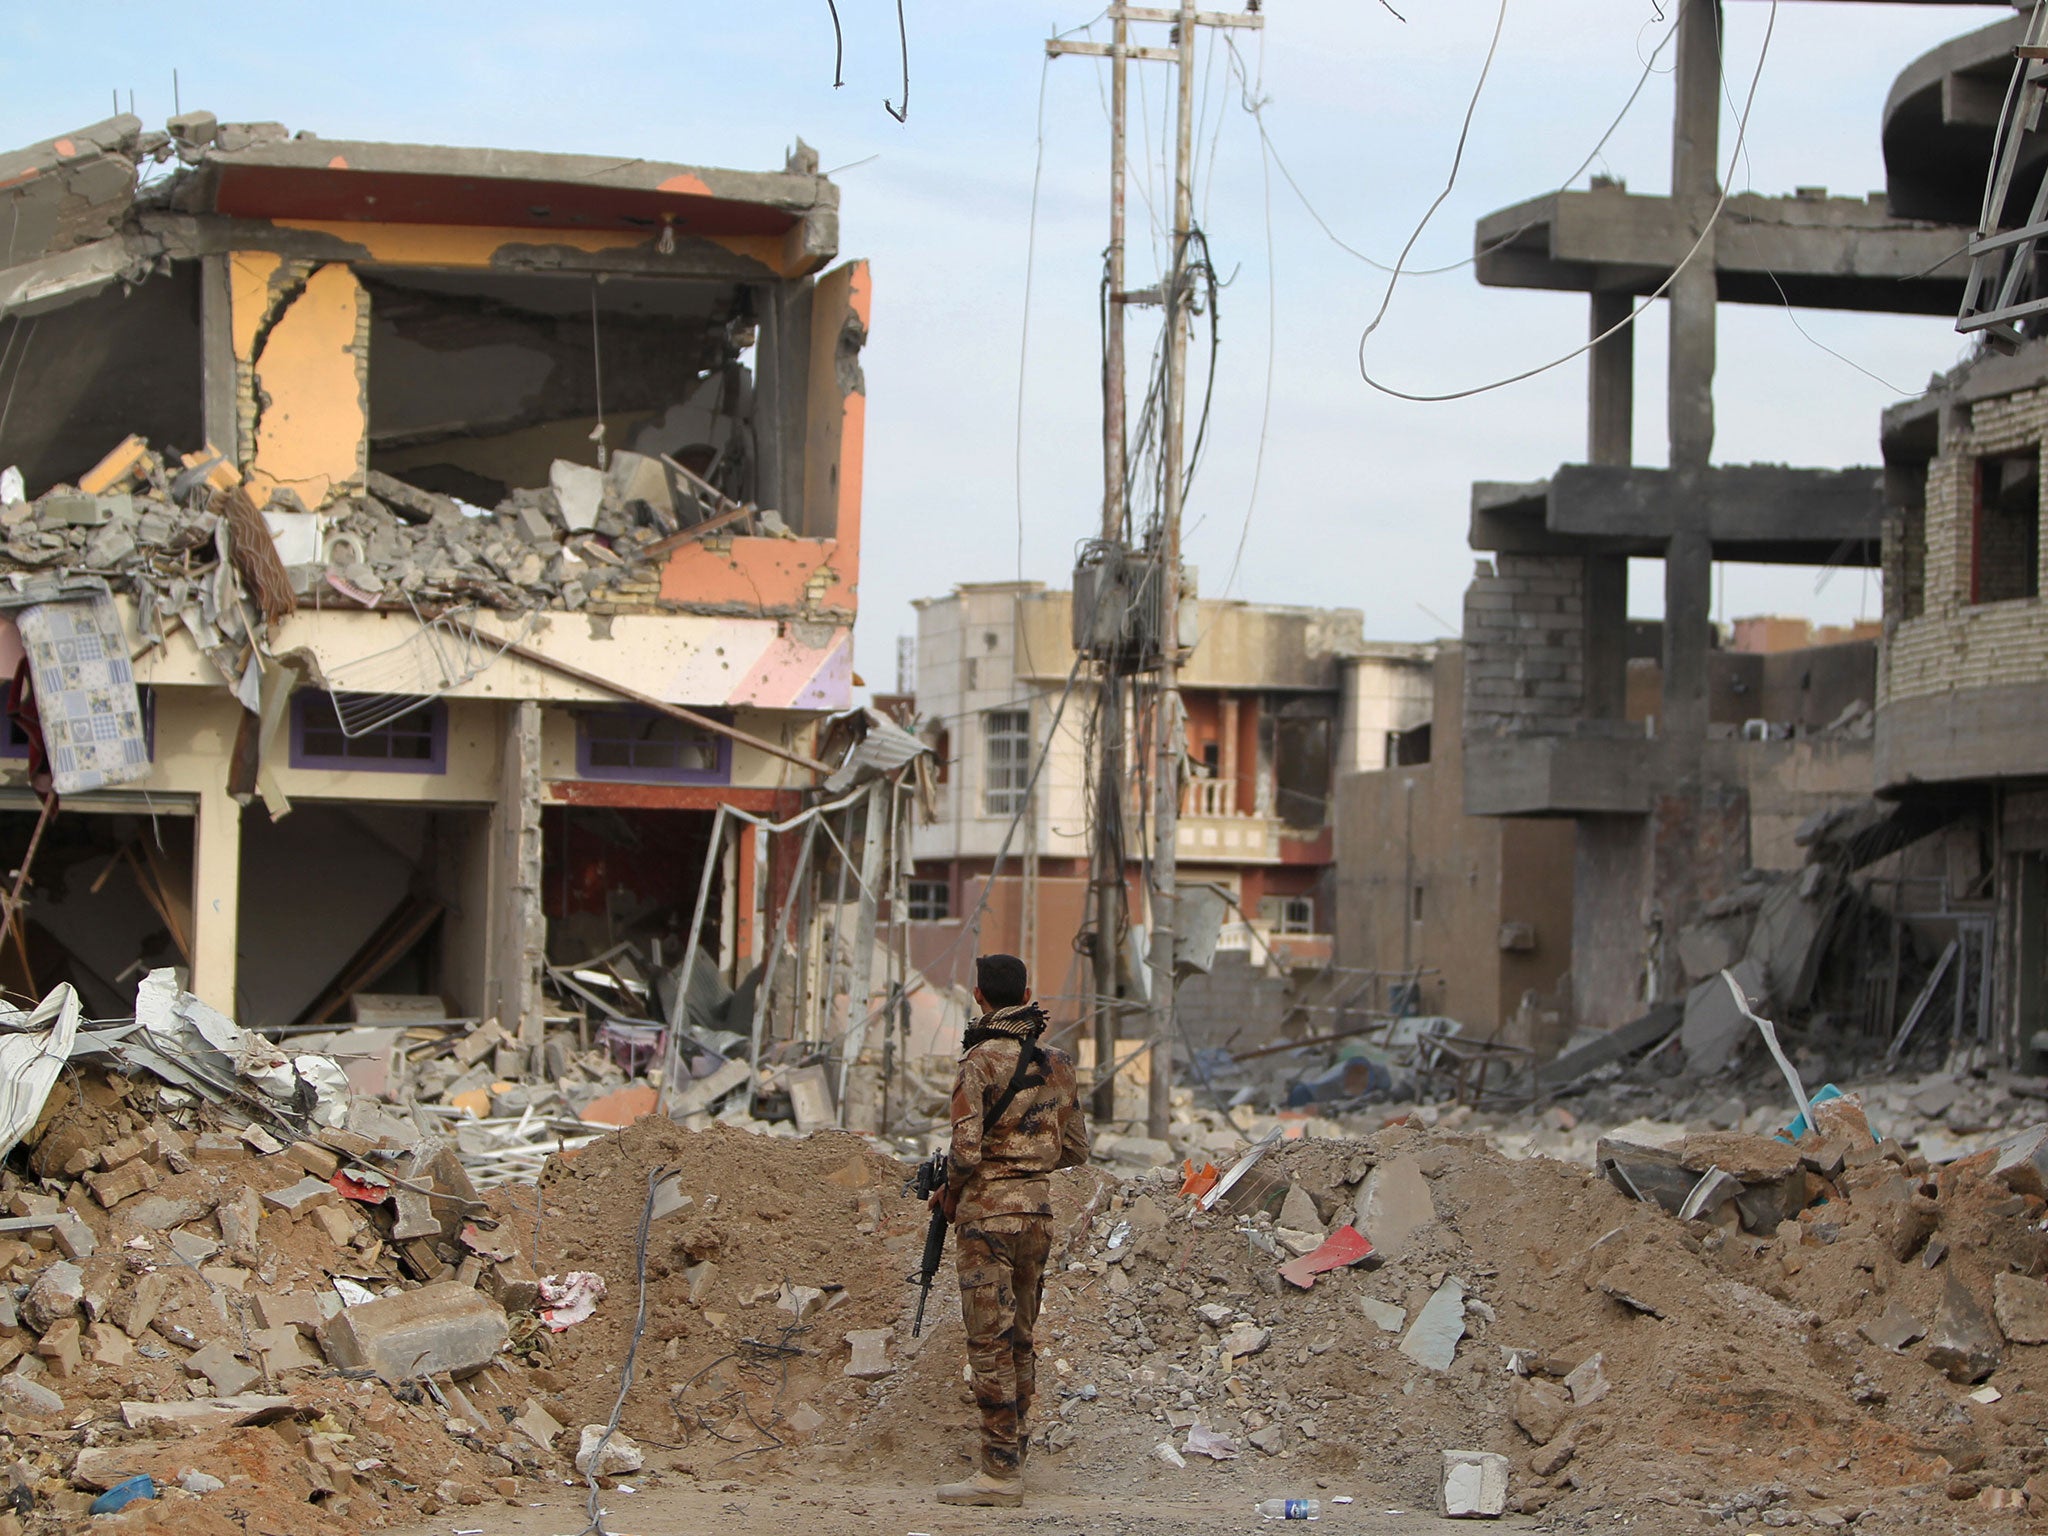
(122, 1494)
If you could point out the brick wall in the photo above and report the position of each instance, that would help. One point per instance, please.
(1525, 645)
(1951, 644)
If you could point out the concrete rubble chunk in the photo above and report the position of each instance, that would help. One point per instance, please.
(601, 1457)
(2020, 1304)
(1541, 1408)
(297, 1199)
(444, 1327)
(538, 1425)
(1432, 1340)
(1475, 1485)
(2023, 1161)
(1714, 1031)
(1385, 1315)
(56, 1294)
(218, 1364)
(870, 1347)
(1215, 1314)
(1246, 1339)
(1963, 1344)
(1894, 1330)
(1394, 1206)
(1271, 1440)
(18, 1394)
(1588, 1382)
(1298, 1212)
(283, 1349)
(203, 1412)
(143, 1300)
(160, 1213)
(1552, 1458)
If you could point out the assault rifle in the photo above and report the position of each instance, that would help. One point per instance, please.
(929, 1178)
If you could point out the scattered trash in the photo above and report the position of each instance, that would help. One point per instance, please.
(1289, 1509)
(570, 1299)
(1203, 1441)
(122, 1494)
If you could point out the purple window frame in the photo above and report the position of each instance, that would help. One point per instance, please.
(14, 745)
(436, 762)
(722, 774)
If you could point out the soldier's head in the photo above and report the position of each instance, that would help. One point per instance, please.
(1000, 981)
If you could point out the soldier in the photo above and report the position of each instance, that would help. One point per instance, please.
(1016, 1117)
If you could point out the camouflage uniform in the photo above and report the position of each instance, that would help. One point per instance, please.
(1004, 1213)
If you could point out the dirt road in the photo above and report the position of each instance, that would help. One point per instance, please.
(802, 1508)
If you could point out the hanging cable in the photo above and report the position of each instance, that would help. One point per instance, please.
(1256, 105)
(838, 46)
(902, 37)
(1741, 135)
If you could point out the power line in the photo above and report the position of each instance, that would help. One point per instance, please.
(1256, 107)
(1741, 136)
(1272, 332)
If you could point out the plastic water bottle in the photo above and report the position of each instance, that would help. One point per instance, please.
(1290, 1509)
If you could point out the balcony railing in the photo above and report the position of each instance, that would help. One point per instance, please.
(1209, 797)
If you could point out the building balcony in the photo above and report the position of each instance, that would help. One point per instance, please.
(1214, 831)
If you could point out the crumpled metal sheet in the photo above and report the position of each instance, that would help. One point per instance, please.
(220, 1056)
(30, 1059)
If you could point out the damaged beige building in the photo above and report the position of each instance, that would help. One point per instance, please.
(473, 524)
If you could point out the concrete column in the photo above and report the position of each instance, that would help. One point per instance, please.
(1695, 184)
(1611, 382)
(1688, 612)
(220, 413)
(217, 897)
(519, 944)
(1226, 756)
(1606, 637)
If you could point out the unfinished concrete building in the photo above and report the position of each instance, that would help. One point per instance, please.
(424, 486)
(1662, 805)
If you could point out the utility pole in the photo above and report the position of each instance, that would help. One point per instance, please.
(1169, 730)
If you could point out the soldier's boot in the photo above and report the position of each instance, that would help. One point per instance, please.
(984, 1489)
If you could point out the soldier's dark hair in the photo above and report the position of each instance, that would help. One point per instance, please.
(1001, 979)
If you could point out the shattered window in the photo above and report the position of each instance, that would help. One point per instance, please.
(930, 901)
(1007, 773)
(646, 747)
(2007, 555)
(370, 732)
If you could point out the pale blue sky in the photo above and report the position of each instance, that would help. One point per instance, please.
(1362, 500)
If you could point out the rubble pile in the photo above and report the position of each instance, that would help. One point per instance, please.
(278, 1304)
(1865, 1356)
(154, 521)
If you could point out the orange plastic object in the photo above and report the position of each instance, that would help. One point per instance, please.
(1197, 1182)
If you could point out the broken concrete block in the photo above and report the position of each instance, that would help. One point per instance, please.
(1298, 1212)
(1550, 1460)
(1394, 1206)
(336, 1221)
(18, 1394)
(218, 1364)
(299, 1309)
(62, 1345)
(1963, 1344)
(479, 1042)
(1246, 1339)
(74, 1237)
(804, 1420)
(117, 1184)
(216, 1147)
(316, 1160)
(1541, 1408)
(139, 1310)
(538, 1425)
(2023, 1161)
(799, 1301)
(297, 1199)
(160, 1213)
(1588, 1382)
(55, 1295)
(1475, 1485)
(870, 1361)
(108, 1345)
(1271, 1440)
(600, 1456)
(441, 1327)
(193, 1247)
(239, 1219)
(513, 1285)
(1894, 1330)
(283, 1349)
(2020, 1303)
(1432, 1340)
(1385, 1315)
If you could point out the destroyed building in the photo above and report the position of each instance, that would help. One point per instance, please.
(1671, 805)
(477, 524)
(1279, 702)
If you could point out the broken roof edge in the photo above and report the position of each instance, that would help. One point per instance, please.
(793, 191)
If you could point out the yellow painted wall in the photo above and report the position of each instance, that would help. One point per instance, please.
(311, 379)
